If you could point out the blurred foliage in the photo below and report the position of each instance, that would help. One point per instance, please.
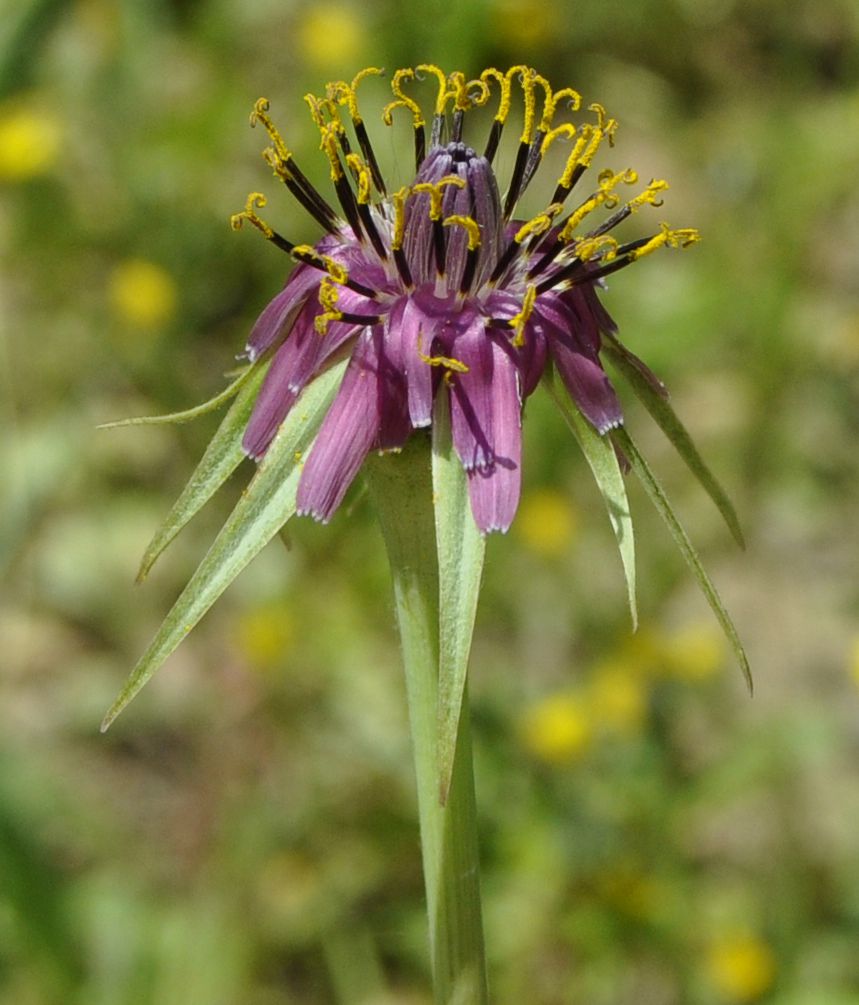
(246, 834)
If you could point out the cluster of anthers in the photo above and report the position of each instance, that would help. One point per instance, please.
(437, 287)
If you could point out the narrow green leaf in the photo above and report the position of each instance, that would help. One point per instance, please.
(666, 511)
(600, 455)
(666, 418)
(223, 455)
(265, 506)
(176, 418)
(461, 549)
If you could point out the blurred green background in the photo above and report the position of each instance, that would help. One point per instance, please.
(246, 834)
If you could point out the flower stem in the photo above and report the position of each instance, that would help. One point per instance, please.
(402, 492)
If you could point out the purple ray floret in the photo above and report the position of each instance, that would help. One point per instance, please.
(439, 289)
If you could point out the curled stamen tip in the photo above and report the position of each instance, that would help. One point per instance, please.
(261, 106)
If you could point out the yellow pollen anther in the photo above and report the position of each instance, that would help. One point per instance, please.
(330, 145)
(260, 114)
(602, 115)
(470, 224)
(448, 362)
(597, 136)
(435, 190)
(681, 238)
(528, 79)
(649, 195)
(478, 92)
(589, 247)
(277, 164)
(582, 140)
(504, 82)
(328, 297)
(319, 106)
(347, 94)
(254, 200)
(459, 91)
(362, 173)
(538, 224)
(565, 129)
(605, 196)
(575, 218)
(403, 100)
(573, 98)
(337, 272)
(518, 321)
(399, 199)
(444, 93)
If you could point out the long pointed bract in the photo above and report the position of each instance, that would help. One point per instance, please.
(461, 549)
(666, 511)
(266, 505)
(223, 455)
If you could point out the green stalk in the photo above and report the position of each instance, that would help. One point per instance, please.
(401, 486)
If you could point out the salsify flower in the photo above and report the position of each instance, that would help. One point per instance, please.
(438, 287)
(434, 304)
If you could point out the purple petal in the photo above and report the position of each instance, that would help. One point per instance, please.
(530, 357)
(278, 317)
(478, 199)
(487, 211)
(394, 424)
(580, 370)
(602, 317)
(409, 333)
(486, 415)
(294, 364)
(346, 435)
(570, 311)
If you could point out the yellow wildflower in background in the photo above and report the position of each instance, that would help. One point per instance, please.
(617, 698)
(142, 293)
(693, 653)
(557, 729)
(742, 967)
(525, 24)
(547, 522)
(29, 143)
(330, 35)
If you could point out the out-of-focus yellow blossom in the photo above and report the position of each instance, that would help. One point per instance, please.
(557, 729)
(142, 293)
(265, 633)
(527, 24)
(642, 650)
(693, 653)
(29, 143)
(618, 698)
(742, 967)
(331, 35)
(547, 522)
(854, 661)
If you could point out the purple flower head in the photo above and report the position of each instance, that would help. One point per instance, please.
(439, 289)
